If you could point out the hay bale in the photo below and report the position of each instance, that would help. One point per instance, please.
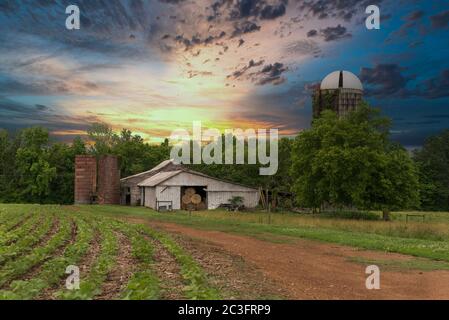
(190, 191)
(202, 206)
(186, 199)
(196, 199)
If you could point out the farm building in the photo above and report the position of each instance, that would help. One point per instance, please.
(173, 186)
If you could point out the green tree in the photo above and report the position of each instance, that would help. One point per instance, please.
(61, 156)
(433, 164)
(78, 146)
(102, 137)
(6, 166)
(394, 183)
(347, 162)
(34, 170)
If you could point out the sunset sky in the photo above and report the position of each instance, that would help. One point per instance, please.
(154, 66)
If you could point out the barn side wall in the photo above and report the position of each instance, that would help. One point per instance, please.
(218, 192)
(189, 179)
(164, 193)
(150, 197)
(134, 192)
(215, 198)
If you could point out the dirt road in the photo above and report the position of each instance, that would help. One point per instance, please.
(313, 270)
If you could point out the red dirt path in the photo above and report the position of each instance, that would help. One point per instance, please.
(313, 270)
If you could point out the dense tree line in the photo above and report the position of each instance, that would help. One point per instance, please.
(338, 163)
(35, 170)
(433, 165)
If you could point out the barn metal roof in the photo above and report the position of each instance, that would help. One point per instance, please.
(157, 168)
(158, 178)
(163, 176)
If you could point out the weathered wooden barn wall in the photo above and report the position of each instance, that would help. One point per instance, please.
(164, 193)
(150, 197)
(215, 198)
(85, 178)
(218, 192)
(190, 179)
(133, 188)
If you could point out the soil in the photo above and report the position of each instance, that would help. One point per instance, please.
(85, 265)
(168, 271)
(229, 273)
(59, 251)
(47, 237)
(305, 269)
(19, 223)
(122, 271)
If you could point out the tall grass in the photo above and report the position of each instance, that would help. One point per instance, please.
(434, 227)
(397, 228)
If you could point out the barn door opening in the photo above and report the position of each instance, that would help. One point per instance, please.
(194, 198)
(128, 196)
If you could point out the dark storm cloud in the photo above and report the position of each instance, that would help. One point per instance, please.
(14, 87)
(16, 115)
(243, 9)
(312, 33)
(388, 80)
(273, 12)
(344, 9)
(384, 79)
(105, 25)
(440, 20)
(54, 86)
(437, 87)
(196, 40)
(412, 20)
(415, 15)
(251, 64)
(41, 107)
(334, 33)
(8, 6)
(244, 27)
(270, 74)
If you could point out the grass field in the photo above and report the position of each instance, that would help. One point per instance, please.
(37, 243)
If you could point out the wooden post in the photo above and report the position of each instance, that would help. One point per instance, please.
(269, 212)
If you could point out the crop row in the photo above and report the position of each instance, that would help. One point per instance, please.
(10, 220)
(33, 261)
(54, 269)
(16, 268)
(28, 222)
(90, 286)
(197, 286)
(24, 238)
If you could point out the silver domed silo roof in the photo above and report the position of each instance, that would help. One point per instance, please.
(341, 79)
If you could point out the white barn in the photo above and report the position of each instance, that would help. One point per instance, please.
(166, 186)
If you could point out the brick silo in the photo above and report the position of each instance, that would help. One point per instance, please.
(85, 179)
(108, 180)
